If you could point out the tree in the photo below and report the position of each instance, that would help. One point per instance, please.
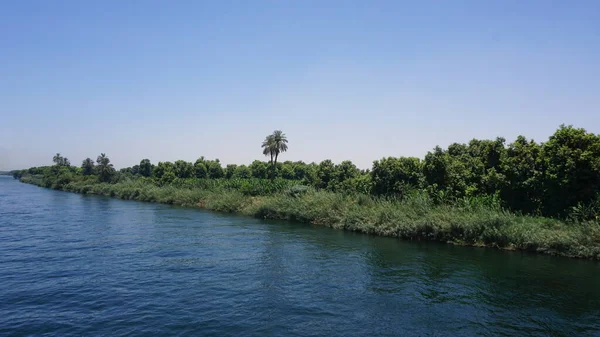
(286, 170)
(60, 160)
(571, 161)
(346, 170)
(215, 170)
(305, 172)
(524, 176)
(200, 169)
(145, 168)
(17, 174)
(343, 177)
(325, 173)
(57, 159)
(242, 171)
(230, 170)
(87, 167)
(167, 178)
(135, 169)
(211, 169)
(273, 145)
(279, 144)
(105, 168)
(183, 169)
(395, 176)
(259, 169)
(450, 172)
(268, 146)
(162, 168)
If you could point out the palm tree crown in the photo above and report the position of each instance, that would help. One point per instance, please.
(279, 143)
(273, 145)
(105, 168)
(268, 147)
(60, 160)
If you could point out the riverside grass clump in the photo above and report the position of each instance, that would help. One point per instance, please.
(418, 218)
(474, 221)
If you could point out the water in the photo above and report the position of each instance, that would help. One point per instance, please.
(88, 265)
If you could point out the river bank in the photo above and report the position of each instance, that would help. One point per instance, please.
(414, 218)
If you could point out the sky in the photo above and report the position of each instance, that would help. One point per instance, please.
(357, 80)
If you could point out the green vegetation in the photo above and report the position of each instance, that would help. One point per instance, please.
(273, 145)
(541, 197)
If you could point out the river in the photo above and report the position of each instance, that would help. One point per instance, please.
(86, 265)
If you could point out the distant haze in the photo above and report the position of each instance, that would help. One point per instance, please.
(355, 80)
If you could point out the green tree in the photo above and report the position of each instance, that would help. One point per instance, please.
(326, 173)
(60, 160)
(279, 144)
(396, 176)
(145, 168)
(346, 170)
(268, 147)
(167, 178)
(286, 170)
(162, 168)
(200, 169)
(183, 169)
(571, 158)
(105, 168)
(259, 169)
(451, 173)
(273, 145)
(17, 174)
(524, 176)
(242, 171)
(63, 178)
(87, 167)
(57, 159)
(215, 170)
(305, 172)
(230, 170)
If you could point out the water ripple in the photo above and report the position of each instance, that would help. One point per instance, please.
(84, 265)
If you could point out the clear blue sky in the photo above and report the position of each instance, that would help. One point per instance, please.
(354, 80)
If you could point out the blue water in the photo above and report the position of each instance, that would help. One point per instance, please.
(87, 265)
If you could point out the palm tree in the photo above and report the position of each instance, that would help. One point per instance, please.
(87, 167)
(273, 145)
(60, 160)
(268, 146)
(279, 144)
(57, 159)
(105, 168)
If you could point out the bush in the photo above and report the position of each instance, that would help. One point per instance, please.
(296, 191)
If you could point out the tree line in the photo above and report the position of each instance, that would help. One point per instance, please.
(557, 178)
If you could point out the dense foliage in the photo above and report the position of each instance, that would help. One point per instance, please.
(558, 178)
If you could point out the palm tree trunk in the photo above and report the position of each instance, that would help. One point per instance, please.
(274, 166)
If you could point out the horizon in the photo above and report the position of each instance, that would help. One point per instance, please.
(343, 80)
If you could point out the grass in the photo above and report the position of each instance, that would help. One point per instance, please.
(474, 222)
